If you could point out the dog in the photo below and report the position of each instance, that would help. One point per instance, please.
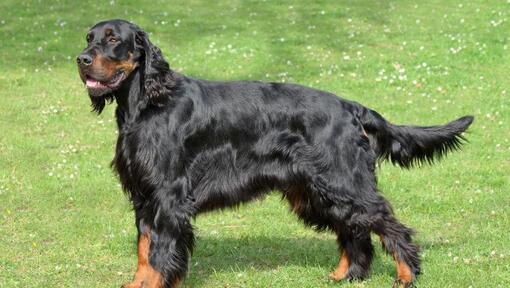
(186, 146)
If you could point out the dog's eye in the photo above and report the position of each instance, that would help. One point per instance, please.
(113, 40)
(89, 38)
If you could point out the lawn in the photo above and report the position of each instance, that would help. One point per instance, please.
(64, 221)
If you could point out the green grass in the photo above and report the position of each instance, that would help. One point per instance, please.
(64, 221)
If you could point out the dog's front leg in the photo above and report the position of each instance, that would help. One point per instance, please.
(146, 276)
(166, 241)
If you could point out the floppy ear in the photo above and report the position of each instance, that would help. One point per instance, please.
(159, 80)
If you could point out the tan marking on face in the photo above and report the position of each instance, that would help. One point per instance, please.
(107, 68)
(103, 67)
(364, 132)
(127, 66)
(145, 275)
(108, 32)
(342, 269)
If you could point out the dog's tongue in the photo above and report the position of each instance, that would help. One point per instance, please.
(94, 84)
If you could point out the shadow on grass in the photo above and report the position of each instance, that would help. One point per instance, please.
(265, 253)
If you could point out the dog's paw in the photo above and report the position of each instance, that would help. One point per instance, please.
(400, 284)
(337, 276)
(133, 285)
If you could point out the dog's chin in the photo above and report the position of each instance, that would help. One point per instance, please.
(99, 92)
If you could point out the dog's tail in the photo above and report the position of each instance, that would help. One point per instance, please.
(411, 145)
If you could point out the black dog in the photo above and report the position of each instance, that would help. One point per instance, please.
(187, 146)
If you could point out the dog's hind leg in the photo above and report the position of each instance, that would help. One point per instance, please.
(372, 213)
(339, 193)
(354, 243)
(356, 255)
(396, 240)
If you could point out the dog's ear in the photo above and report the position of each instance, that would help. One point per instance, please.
(159, 80)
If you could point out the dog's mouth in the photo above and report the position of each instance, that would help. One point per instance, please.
(112, 83)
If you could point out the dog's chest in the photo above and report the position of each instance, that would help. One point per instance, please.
(140, 159)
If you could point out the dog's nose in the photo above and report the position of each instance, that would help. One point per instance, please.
(84, 59)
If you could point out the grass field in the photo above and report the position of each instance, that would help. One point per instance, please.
(64, 221)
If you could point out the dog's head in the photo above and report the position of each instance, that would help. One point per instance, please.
(115, 50)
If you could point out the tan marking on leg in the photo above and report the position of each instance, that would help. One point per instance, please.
(404, 274)
(342, 269)
(145, 275)
(294, 195)
(381, 238)
(295, 202)
(177, 283)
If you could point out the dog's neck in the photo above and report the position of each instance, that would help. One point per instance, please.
(130, 99)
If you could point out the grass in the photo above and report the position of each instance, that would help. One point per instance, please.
(64, 221)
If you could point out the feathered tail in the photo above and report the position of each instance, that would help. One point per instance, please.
(411, 145)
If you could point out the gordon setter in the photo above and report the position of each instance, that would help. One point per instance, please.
(186, 146)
